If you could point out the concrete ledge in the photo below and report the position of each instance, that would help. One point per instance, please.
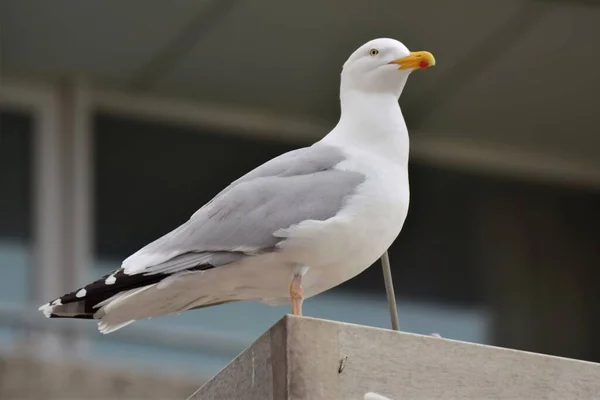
(306, 358)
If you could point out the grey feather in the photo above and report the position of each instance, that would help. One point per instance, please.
(304, 161)
(294, 187)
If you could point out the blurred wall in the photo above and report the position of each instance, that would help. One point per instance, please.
(23, 377)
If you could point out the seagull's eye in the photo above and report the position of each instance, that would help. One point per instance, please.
(373, 52)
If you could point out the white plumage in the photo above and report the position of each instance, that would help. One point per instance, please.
(375, 396)
(322, 213)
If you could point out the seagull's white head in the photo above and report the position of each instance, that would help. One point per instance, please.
(382, 65)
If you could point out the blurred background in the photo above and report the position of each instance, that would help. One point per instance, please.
(119, 119)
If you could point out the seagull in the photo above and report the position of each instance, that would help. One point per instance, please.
(296, 226)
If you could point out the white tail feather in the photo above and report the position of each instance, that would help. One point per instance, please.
(105, 327)
(176, 294)
(375, 396)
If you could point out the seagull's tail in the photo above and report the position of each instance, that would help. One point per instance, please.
(180, 292)
(118, 299)
(83, 303)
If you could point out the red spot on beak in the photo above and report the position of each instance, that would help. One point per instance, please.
(423, 64)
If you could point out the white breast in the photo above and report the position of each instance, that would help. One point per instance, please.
(341, 247)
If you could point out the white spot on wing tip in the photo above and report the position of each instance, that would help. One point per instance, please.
(81, 293)
(46, 309)
(57, 302)
(110, 280)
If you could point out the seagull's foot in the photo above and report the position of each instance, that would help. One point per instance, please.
(296, 294)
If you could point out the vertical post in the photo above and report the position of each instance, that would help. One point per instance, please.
(77, 172)
(48, 213)
(62, 202)
(389, 290)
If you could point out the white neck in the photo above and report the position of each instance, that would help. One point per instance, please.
(372, 122)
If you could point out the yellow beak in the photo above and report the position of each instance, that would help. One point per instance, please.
(416, 60)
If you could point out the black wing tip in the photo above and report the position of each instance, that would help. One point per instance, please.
(94, 293)
(77, 316)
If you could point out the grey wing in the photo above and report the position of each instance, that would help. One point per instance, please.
(240, 221)
(303, 161)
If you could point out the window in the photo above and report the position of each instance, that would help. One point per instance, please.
(15, 205)
(15, 212)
